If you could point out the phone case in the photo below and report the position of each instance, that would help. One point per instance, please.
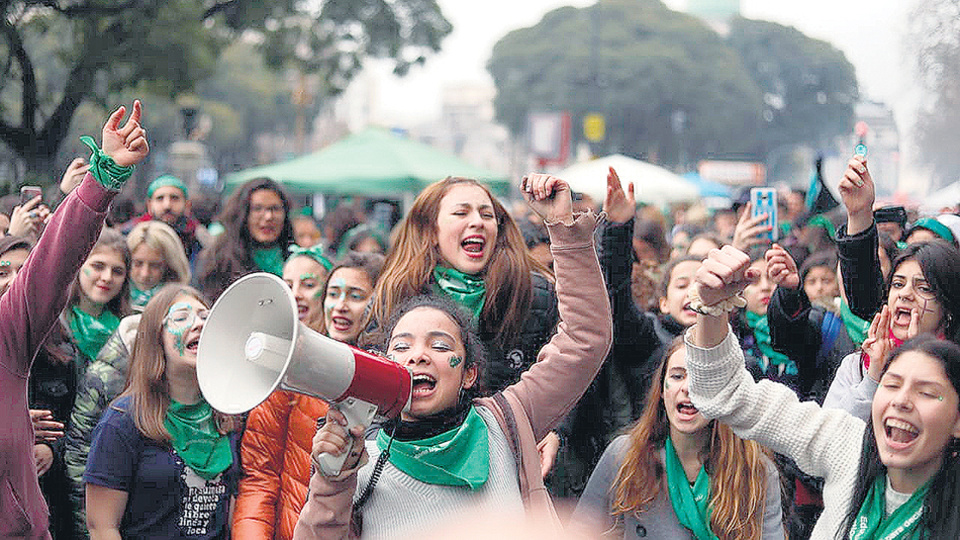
(764, 201)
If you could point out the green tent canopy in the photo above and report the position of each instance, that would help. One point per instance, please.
(372, 162)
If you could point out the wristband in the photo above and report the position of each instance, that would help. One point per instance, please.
(104, 168)
(724, 306)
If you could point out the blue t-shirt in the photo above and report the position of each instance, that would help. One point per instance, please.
(165, 498)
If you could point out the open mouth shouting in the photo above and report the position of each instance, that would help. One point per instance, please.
(474, 246)
(686, 412)
(341, 323)
(899, 434)
(423, 385)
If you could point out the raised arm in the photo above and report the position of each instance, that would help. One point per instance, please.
(634, 334)
(857, 242)
(32, 305)
(570, 360)
(820, 441)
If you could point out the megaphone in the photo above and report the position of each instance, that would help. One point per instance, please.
(252, 344)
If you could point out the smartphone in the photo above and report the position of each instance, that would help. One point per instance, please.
(764, 201)
(28, 193)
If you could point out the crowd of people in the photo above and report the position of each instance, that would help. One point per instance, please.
(581, 367)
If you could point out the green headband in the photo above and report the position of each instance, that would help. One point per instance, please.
(934, 226)
(314, 252)
(820, 221)
(164, 181)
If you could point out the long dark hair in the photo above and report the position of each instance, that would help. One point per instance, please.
(230, 256)
(939, 262)
(940, 520)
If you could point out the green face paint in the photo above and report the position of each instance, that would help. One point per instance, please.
(5, 263)
(455, 361)
(666, 384)
(391, 357)
(179, 320)
(87, 272)
(330, 303)
(309, 275)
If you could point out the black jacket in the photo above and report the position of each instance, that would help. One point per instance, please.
(617, 395)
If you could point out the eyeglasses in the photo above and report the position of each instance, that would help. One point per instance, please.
(260, 210)
(184, 317)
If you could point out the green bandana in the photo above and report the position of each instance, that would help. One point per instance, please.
(166, 181)
(104, 168)
(138, 298)
(856, 327)
(91, 333)
(690, 503)
(196, 439)
(269, 260)
(466, 290)
(761, 331)
(314, 252)
(872, 524)
(459, 457)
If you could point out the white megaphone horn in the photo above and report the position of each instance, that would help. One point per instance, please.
(252, 344)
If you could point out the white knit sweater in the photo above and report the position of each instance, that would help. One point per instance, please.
(426, 506)
(823, 442)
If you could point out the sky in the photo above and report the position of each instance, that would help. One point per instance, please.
(871, 33)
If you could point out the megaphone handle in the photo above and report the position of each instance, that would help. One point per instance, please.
(358, 413)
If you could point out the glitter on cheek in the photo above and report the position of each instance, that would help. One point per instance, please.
(455, 361)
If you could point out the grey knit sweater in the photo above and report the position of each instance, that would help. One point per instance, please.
(823, 442)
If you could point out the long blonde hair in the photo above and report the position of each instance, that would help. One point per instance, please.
(161, 237)
(737, 469)
(415, 253)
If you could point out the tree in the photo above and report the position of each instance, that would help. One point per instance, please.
(670, 88)
(934, 33)
(809, 88)
(61, 53)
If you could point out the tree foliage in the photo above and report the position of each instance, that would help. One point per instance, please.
(60, 53)
(669, 87)
(935, 37)
(809, 87)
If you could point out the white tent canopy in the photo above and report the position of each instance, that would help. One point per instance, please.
(652, 184)
(944, 197)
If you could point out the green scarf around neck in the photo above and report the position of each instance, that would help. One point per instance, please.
(139, 298)
(466, 290)
(872, 523)
(91, 333)
(269, 260)
(196, 439)
(761, 331)
(691, 504)
(459, 457)
(856, 327)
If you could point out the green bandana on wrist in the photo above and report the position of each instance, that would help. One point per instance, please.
(314, 252)
(466, 290)
(91, 333)
(691, 504)
(269, 260)
(196, 439)
(459, 457)
(761, 332)
(104, 168)
(872, 524)
(138, 298)
(856, 327)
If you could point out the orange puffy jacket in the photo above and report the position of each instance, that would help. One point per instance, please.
(275, 454)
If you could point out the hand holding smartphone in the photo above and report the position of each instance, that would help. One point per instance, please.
(28, 193)
(764, 201)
